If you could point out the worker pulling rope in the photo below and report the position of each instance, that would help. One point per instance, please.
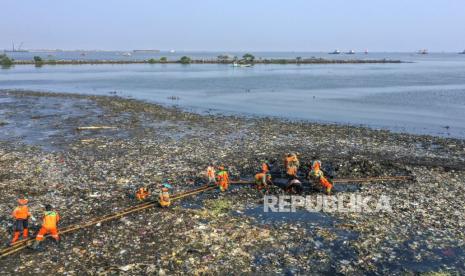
(20, 245)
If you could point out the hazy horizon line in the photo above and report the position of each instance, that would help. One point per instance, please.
(342, 50)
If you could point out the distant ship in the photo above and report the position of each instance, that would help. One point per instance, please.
(335, 52)
(126, 54)
(366, 51)
(172, 51)
(235, 64)
(13, 50)
(351, 52)
(462, 53)
(423, 52)
(146, 51)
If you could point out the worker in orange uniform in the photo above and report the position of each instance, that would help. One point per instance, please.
(262, 180)
(291, 164)
(222, 179)
(164, 198)
(49, 226)
(21, 215)
(211, 174)
(142, 194)
(317, 176)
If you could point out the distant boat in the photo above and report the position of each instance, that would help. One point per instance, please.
(127, 54)
(366, 51)
(462, 53)
(335, 52)
(423, 52)
(235, 64)
(172, 51)
(83, 54)
(146, 51)
(351, 52)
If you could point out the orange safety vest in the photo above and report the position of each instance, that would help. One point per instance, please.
(142, 193)
(291, 161)
(223, 179)
(21, 212)
(291, 165)
(294, 161)
(165, 199)
(50, 220)
(291, 171)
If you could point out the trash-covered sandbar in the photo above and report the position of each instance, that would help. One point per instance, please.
(87, 155)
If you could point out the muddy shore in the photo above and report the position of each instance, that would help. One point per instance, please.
(89, 173)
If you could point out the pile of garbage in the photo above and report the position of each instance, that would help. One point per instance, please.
(95, 171)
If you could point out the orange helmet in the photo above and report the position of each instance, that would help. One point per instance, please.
(23, 201)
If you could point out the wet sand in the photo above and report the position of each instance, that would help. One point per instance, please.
(89, 173)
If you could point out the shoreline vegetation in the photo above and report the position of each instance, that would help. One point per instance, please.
(247, 60)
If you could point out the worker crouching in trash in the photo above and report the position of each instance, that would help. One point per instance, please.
(291, 165)
(49, 226)
(316, 176)
(142, 194)
(262, 181)
(223, 179)
(211, 174)
(164, 197)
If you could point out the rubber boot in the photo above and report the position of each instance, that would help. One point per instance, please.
(25, 233)
(15, 237)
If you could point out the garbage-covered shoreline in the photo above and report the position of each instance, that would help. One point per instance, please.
(87, 173)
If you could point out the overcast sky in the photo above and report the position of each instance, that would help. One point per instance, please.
(249, 25)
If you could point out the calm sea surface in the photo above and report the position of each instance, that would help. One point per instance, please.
(426, 96)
